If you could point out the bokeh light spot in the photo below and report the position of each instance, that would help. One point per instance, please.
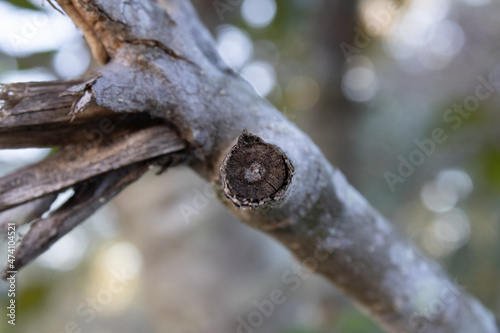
(360, 84)
(261, 75)
(234, 46)
(258, 13)
(71, 61)
(67, 252)
(436, 199)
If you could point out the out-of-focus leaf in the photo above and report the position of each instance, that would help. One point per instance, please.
(40, 59)
(490, 166)
(33, 296)
(299, 330)
(354, 322)
(25, 4)
(7, 62)
(289, 19)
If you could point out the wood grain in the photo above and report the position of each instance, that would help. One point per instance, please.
(75, 163)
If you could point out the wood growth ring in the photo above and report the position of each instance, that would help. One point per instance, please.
(255, 172)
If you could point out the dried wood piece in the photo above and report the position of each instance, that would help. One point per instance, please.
(42, 103)
(26, 213)
(75, 163)
(65, 133)
(89, 196)
(255, 172)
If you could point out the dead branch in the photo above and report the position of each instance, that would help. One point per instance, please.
(163, 62)
(88, 197)
(72, 165)
(25, 213)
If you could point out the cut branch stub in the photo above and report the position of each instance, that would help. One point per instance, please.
(255, 172)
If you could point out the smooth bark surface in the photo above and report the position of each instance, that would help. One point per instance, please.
(162, 62)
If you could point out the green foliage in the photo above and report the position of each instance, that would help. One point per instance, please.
(7, 63)
(25, 4)
(355, 322)
(32, 297)
(490, 167)
(287, 20)
(299, 330)
(39, 59)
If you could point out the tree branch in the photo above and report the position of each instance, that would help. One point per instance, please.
(101, 152)
(163, 62)
(25, 213)
(72, 165)
(88, 197)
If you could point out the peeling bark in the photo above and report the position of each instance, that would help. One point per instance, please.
(97, 147)
(163, 63)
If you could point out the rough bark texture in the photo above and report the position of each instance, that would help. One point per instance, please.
(163, 63)
(70, 166)
(100, 151)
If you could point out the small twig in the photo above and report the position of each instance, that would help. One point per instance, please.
(53, 6)
(26, 213)
(89, 196)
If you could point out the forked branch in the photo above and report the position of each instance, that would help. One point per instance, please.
(99, 152)
(163, 63)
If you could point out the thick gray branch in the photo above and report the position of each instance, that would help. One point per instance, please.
(163, 62)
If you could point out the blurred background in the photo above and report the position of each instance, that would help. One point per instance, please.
(370, 81)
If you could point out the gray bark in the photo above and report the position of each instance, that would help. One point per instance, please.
(159, 60)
